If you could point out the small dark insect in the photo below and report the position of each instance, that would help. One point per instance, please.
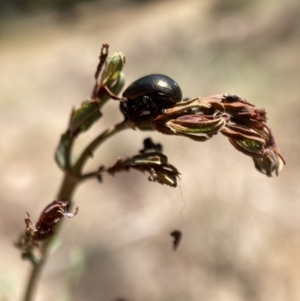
(149, 95)
(150, 146)
(177, 235)
(230, 98)
(50, 216)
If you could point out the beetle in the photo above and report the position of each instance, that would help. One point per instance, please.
(150, 95)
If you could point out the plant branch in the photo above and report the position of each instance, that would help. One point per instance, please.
(90, 175)
(89, 150)
(66, 191)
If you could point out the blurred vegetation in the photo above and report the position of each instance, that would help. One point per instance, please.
(223, 7)
(26, 6)
(8, 7)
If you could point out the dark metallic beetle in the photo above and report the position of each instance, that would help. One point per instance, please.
(150, 94)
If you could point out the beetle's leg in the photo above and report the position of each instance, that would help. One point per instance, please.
(111, 94)
(151, 104)
(124, 108)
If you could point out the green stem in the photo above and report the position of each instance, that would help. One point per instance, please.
(67, 189)
(89, 150)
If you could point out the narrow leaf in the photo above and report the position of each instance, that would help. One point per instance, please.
(84, 117)
(62, 150)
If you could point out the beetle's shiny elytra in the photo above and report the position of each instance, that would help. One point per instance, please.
(150, 94)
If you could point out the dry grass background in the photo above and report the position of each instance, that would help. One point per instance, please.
(240, 229)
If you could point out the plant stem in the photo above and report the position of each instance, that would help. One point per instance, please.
(69, 184)
(66, 191)
(88, 152)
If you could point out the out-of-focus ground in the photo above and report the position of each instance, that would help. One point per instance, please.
(241, 230)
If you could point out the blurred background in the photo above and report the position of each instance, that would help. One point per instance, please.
(240, 229)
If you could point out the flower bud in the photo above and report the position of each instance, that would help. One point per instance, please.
(112, 69)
